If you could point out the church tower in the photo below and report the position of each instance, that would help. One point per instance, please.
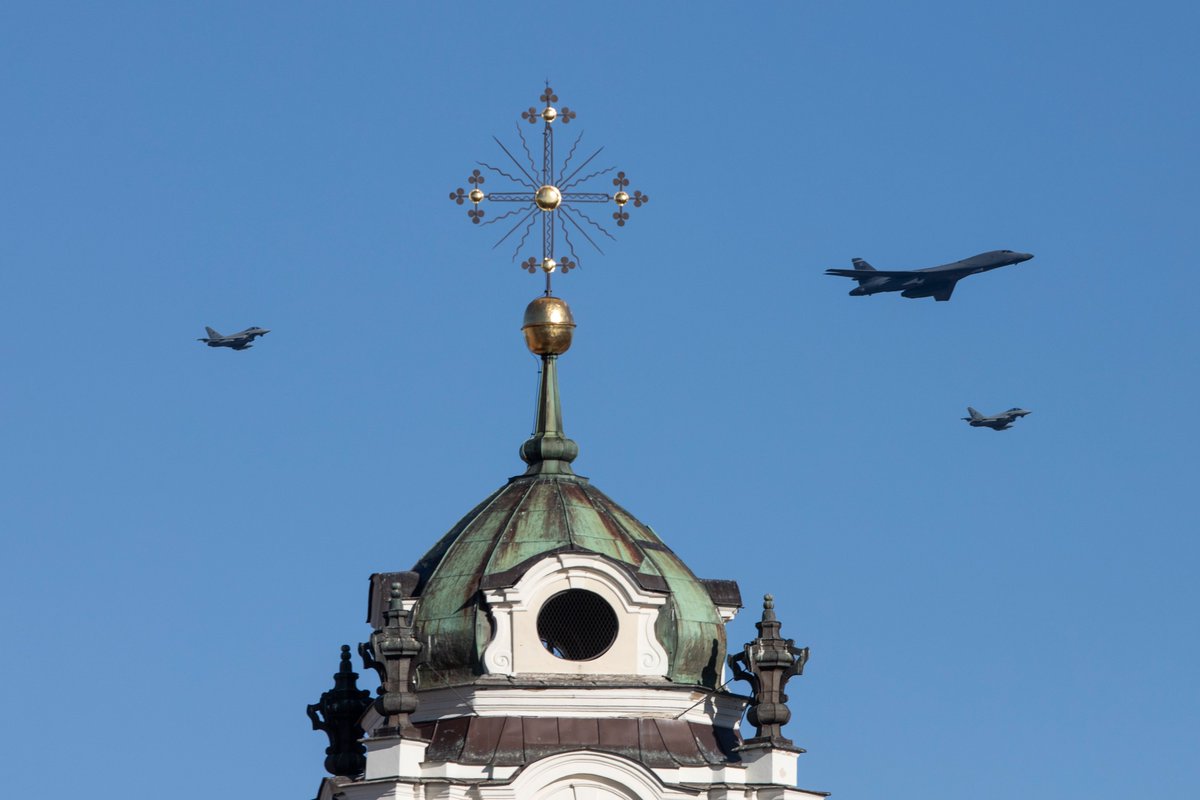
(550, 646)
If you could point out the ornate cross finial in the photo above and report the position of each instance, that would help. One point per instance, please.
(338, 713)
(552, 192)
(768, 663)
(391, 653)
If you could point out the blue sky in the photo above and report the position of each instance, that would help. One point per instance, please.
(188, 532)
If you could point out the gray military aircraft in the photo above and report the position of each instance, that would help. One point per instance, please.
(936, 282)
(238, 341)
(999, 422)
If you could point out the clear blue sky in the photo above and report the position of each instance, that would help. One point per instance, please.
(188, 532)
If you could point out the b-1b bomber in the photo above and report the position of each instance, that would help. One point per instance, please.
(936, 282)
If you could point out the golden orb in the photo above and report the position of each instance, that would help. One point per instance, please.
(549, 264)
(476, 196)
(548, 326)
(550, 113)
(547, 198)
(621, 197)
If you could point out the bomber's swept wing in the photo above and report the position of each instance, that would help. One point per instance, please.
(872, 273)
(931, 273)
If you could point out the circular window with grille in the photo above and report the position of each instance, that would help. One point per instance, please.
(577, 625)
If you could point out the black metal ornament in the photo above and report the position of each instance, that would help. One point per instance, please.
(338, 714)
(768, 663)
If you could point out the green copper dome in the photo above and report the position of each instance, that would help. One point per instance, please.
(534, 516)
(551, 510)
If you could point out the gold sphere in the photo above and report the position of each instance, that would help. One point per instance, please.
(548, 198)
(548, 326)
(549, 264)
(621, 197)
(550, 113)
(476, 196)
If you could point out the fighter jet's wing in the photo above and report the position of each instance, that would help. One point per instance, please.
(944, 292)
(870, 273)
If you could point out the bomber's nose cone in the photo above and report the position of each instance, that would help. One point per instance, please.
(1024, 256)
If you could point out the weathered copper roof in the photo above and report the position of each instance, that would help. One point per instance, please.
(513, 741)
(527, 519)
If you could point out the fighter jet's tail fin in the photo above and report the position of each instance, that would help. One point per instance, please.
(211, 333)
(860, 264)
(974, 414)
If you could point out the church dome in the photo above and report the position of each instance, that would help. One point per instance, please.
(549, 579)
(535, 517)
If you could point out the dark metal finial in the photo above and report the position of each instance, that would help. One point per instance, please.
(768, 663)
(769, 621)
(338, 714)
(391, 652)
(549, 451)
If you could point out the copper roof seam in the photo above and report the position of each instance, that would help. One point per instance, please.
(616, 521)
(562, 503)
(487, 566)
(602, 510)
(475, 517)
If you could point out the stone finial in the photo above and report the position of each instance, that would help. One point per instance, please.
(391, 652)
(768, 663)
(338, 714)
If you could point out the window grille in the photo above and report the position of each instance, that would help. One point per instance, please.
(577, 625)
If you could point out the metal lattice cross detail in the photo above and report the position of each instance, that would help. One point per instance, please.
(551, 192)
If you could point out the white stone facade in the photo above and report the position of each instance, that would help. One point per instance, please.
(395, 770)
(398, 768)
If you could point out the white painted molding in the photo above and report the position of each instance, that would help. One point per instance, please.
(516, 649)
(770, 765)
(720, 709)
(727, 613)
(395, 770)
(392, 757)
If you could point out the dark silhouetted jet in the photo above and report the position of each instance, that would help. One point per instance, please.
(1000, 422)
(238, 341)
(936, 282)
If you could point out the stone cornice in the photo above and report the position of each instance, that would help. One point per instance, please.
(720, 709)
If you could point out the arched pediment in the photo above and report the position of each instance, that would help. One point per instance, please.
(586, 775)
(613, 607)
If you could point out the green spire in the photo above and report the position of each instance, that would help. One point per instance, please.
(548, 451)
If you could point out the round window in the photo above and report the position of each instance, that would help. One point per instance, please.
(577, 625)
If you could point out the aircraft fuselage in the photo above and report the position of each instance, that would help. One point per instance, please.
(935, 282)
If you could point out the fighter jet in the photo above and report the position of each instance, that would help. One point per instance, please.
(1000, 422)
(936, 282)
(238, 341)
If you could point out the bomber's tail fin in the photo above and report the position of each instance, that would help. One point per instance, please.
(860, 264)
(974, 414)
(211, 333)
